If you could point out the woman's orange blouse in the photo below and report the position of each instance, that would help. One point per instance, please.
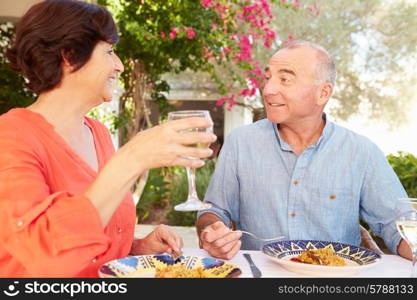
(48, 227)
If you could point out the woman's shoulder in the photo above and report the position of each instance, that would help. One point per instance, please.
(13, 121)
(100, 130)
(96, 124)
(18, 132)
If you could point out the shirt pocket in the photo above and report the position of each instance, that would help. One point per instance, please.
(333, 210)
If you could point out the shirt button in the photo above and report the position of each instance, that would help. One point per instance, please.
(119, 230)
(19, 223)
(295, 182)
(332, 197)
(94, 260)
(293, 214)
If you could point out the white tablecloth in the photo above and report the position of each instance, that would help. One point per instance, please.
(390, 265)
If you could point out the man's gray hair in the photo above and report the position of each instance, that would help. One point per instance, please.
(326, 68)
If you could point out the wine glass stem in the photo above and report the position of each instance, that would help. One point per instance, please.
(192, 191)
(414, 269)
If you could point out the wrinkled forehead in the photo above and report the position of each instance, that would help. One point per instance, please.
(300, 57)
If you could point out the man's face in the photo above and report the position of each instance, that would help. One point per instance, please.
(291, 90)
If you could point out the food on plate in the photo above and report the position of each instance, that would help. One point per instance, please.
(325, 257)
(180, 271)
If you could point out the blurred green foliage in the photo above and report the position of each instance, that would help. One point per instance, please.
(155, 192)
(12, 90)
(405, 166)
(167, 187)
(179, 192)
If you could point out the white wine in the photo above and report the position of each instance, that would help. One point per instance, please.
(408, 231)
(200, 145)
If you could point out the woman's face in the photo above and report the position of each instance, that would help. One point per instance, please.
(98, 76)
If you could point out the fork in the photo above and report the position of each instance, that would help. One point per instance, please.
(176, 255)
(262, 239)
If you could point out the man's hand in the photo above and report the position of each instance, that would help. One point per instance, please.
(404, 250)
(220, 241)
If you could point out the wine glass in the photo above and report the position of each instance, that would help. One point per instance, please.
(192, 203)
(406, 222)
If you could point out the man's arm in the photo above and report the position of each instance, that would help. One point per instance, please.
(379, 195)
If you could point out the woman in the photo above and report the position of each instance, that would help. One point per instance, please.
(65, 204)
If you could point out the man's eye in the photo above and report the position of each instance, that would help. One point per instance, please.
(285, 80)
(110, 51)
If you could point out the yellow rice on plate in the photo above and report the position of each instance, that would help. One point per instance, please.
(325, 257)
(180, 271)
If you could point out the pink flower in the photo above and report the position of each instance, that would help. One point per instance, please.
(221, 101)
(255, 83)
(232, 102)
(226, 50)
(163, 35)
(150, 85)
(258, 71)
(206, 3)
(190, 33)
(173, 33)
(297, 4)
(244, 92)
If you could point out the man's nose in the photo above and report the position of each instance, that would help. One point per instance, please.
(270, 88)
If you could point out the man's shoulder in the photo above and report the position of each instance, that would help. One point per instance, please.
(256, 128)
(346, 135)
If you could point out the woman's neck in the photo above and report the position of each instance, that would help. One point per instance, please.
(64, 110)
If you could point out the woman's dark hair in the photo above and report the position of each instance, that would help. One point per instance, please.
(55, 28)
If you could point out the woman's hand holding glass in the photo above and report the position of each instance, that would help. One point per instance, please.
(167, 145)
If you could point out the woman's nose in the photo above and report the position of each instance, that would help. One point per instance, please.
(118, 64)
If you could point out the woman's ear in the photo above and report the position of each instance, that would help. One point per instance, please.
(325, 92)
(67, 66)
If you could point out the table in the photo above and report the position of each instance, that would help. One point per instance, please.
(390, 265)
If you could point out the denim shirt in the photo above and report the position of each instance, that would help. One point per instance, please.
(265, 188)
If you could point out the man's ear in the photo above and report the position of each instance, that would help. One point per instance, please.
(325, 92)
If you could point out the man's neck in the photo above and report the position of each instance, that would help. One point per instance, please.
(302, 134)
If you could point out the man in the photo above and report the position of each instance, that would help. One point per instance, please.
(296, 173)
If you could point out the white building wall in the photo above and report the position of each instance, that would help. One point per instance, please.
(236, 117)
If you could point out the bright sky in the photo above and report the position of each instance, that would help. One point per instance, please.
(403, 138)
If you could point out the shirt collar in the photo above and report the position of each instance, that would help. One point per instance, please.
(324, 135)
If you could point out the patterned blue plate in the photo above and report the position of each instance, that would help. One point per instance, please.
(145, 266)
(356, 258)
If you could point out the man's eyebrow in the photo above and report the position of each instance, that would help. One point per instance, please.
(287, 71)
